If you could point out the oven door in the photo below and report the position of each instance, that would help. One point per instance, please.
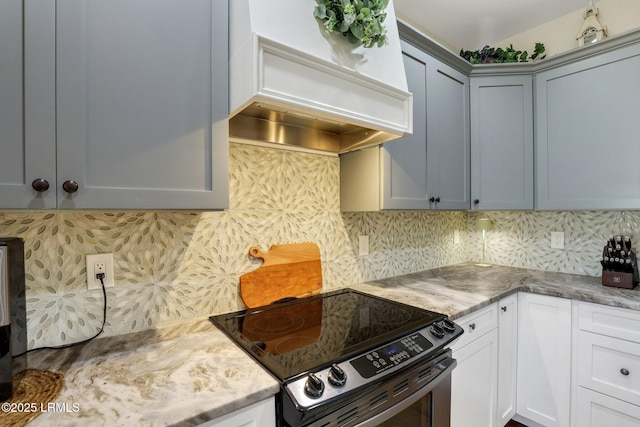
(428, 407)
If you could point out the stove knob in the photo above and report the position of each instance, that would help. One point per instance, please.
(448, 325)
(337, 377)
(437, 331)
(314, 387)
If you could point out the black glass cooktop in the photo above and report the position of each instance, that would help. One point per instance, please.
(293, 337)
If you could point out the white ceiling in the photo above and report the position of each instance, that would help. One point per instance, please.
(472, 24)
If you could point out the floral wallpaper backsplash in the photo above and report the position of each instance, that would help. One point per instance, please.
(172, 265)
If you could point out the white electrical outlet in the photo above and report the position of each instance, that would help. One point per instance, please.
(456, 237)
(363, 245)
(557, 239)
(100, 263)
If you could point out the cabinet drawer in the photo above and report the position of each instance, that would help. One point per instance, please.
(612, 321)
(609, 365)
(476, 325)
(598, 410)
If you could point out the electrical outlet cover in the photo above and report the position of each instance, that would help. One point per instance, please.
(92, 282)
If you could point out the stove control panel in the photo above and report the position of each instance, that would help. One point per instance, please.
(333, 381)
(388, 357)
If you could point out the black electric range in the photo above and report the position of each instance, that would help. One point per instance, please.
(325, 347)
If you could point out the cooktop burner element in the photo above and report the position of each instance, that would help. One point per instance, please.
(293, 337)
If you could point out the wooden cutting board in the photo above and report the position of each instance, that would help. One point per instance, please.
(290, 270)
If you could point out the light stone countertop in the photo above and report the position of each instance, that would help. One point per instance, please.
(180, 375)
(188, 373)
(461, 289)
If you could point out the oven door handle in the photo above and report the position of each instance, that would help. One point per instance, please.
(445, 366)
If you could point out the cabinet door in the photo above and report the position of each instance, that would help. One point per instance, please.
(474, 383)
(507, 358)
(141, 103)
(587, 134)
(501, 142)
(27, 104)
(599, 410)
(448, 142)
(544, 359)
(261, 414)
(405, 161)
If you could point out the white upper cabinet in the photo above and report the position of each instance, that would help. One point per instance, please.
(501, 143)
(587, 146)
(430, 168)
(126, 106)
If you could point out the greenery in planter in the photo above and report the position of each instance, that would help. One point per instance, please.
(360, 21)
(488, 55)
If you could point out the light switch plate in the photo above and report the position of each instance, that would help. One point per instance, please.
(363, 245)
(557, 239)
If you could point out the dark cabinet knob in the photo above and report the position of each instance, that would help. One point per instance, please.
(624, 372)
(437, 199)
(472, 326)
(70, 186)
(434, 199)
(40, 185)
(476, 201)
(504, 308)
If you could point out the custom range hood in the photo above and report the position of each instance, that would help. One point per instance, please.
(293, 83)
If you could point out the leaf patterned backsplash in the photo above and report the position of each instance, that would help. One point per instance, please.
(175, 265)
(523, 239)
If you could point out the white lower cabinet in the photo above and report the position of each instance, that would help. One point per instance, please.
(608, 357)
(474, 382)
(599, 410)
(261, 414)
(544, 359)
(507, 358)
(515, 360)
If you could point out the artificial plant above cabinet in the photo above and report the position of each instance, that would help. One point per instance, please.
(125, 105)
(501, 142)
(587, 147)
(429, 169)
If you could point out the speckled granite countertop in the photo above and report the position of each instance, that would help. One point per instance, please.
(189, 373)
(179, 375)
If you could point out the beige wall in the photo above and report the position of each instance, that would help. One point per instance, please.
(558, 36)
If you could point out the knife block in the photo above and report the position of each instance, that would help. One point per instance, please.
(619, 279)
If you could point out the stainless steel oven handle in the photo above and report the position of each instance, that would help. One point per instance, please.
(446, 365)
